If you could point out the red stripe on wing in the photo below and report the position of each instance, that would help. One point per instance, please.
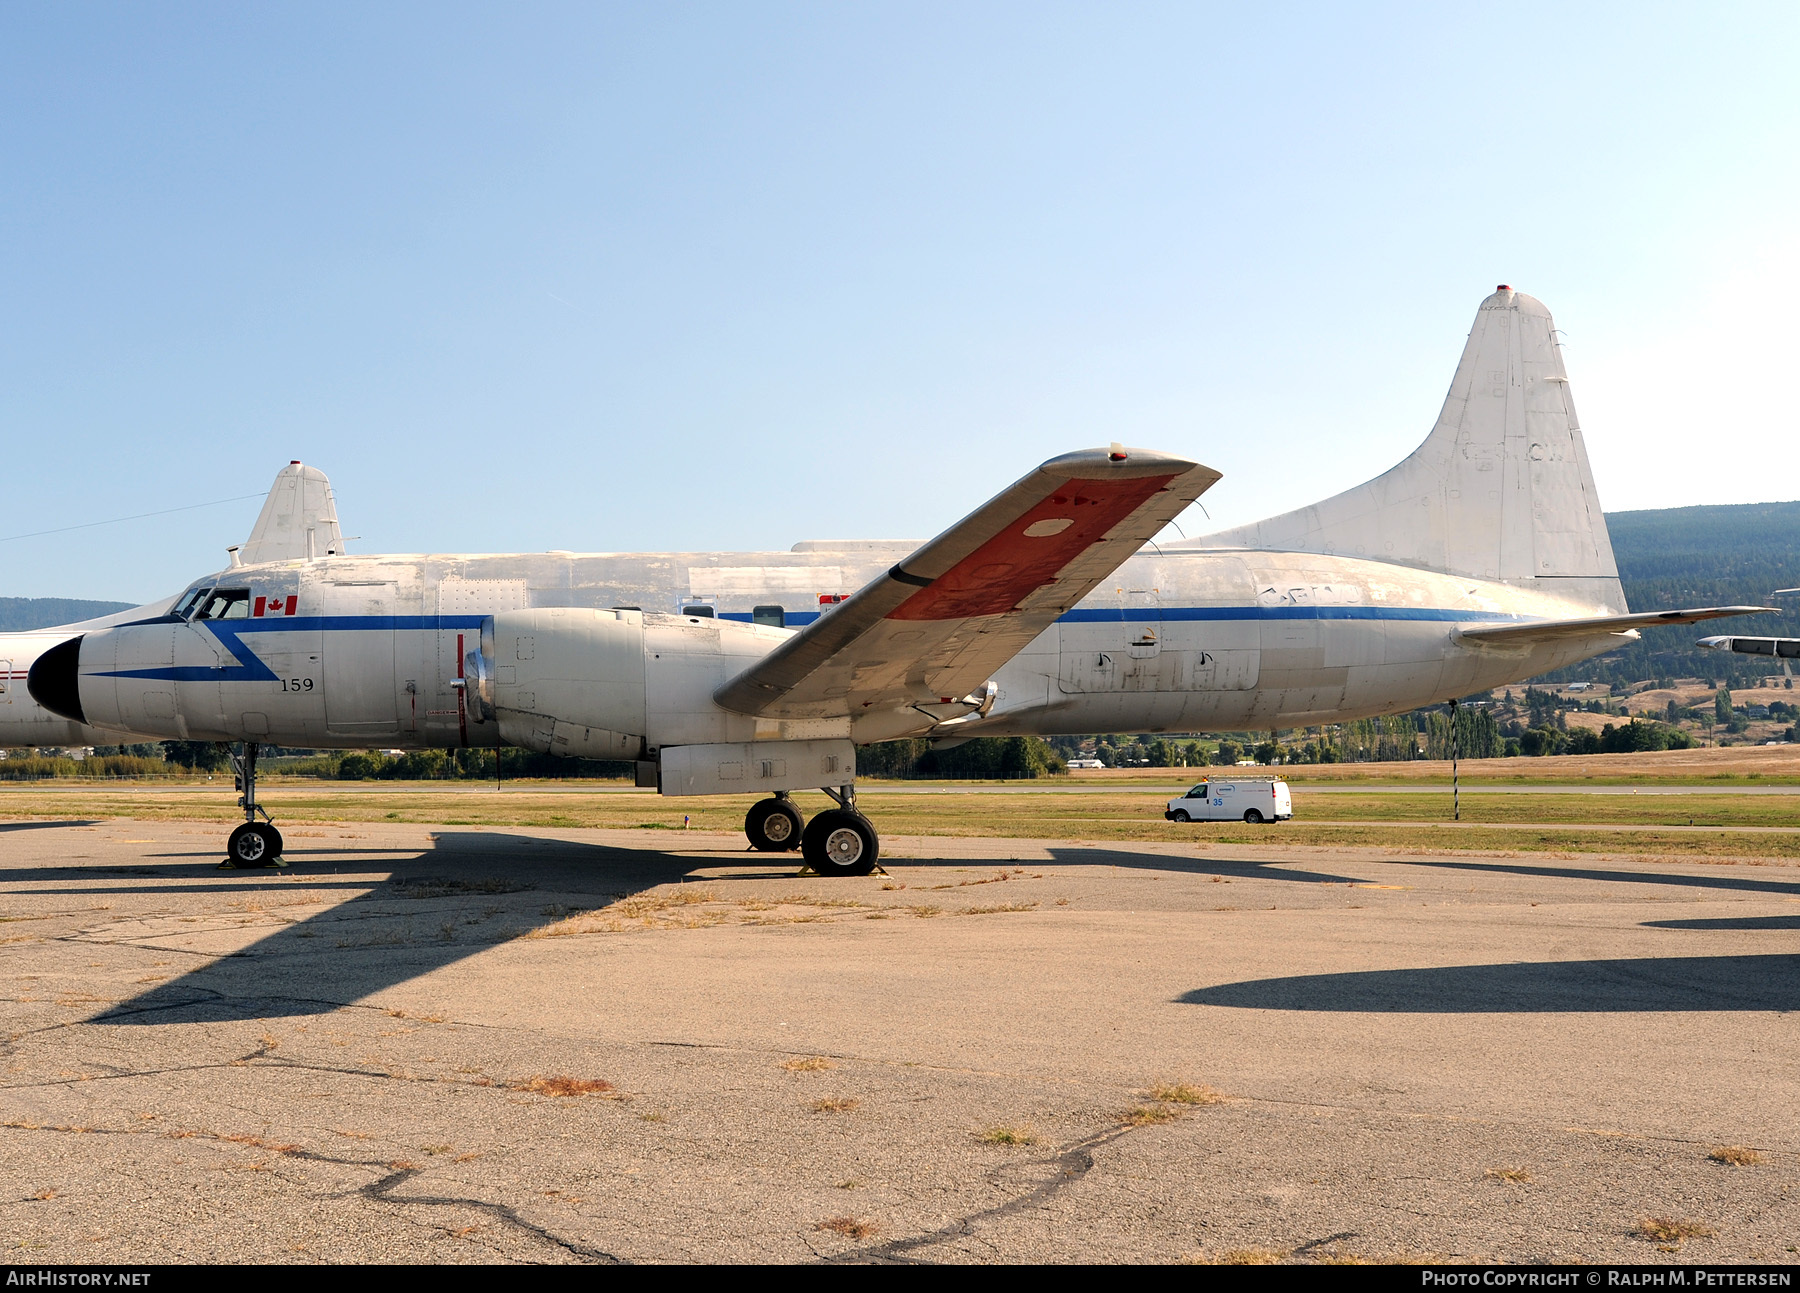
(1006, 569)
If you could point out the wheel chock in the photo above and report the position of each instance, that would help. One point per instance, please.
(807, 870)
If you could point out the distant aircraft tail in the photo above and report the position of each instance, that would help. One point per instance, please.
(1500, 490)
(298, 521)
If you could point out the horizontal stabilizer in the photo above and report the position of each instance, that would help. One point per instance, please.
(935, 627)
(1786, 648)
(1597, 626)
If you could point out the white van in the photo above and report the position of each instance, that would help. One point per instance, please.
(1230, 799)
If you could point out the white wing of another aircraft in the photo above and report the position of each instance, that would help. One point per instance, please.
(938, 625)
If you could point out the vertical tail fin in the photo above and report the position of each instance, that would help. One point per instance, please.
(1500, 490)
(298, 520)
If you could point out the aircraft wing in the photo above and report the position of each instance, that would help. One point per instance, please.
(1786, 648)
(937, 625)
(1596, 626)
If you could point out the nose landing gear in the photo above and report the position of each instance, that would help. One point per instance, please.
(253, 844)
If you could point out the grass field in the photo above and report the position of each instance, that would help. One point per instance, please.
(1688, 826)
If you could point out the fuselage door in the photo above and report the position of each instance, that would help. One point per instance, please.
(357, 643)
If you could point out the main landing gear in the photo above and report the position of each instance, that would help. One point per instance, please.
(254, 844)
(839, 841)
(774, 825)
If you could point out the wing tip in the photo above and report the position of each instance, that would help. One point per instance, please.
(1119, 462)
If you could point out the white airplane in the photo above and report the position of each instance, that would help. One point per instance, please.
(1481, 560)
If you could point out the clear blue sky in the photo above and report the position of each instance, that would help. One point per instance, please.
(730, 276)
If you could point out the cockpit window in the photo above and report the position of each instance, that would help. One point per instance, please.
(225, 604)
(191, 599)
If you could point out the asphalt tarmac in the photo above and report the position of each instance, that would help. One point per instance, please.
(470, 1044)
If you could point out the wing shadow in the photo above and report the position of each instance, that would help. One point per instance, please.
(1235, 870)
(470, 891)
(1646, 985)
(1728, 923)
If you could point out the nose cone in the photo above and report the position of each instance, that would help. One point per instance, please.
(54, 681)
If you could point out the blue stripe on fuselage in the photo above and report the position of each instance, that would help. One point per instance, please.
(1114, 615)
(251, 669)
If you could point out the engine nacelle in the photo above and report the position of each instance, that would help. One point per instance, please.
(621, 684)
(567, 682)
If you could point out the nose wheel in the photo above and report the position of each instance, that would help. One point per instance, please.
(253, 844)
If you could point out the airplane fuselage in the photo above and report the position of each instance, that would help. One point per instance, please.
(350, 651)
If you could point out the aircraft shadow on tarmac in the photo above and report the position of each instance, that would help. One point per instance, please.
(470, 892)
(1728, 923)
(423, 917)
(1647, 984)
(1230, 869)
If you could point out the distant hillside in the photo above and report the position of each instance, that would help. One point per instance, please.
(1701, 556)
(20, 613)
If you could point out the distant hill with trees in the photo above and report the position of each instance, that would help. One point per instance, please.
(1732, 555)
(18, 614)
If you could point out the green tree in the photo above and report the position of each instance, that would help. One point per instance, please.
(201, 756)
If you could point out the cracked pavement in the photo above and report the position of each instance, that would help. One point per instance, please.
(467, 1044)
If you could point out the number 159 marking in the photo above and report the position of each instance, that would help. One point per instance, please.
(296, 684)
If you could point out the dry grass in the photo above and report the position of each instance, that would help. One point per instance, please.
(1007, 1134)
(44, 1196)
(565, 1086)
(1511, 1175)
(1247, 1257)
(836, 1104)
(1736, 1156)
(1670, 1230)
(849, 1227)
(1183, 1093)
(1145, 1115)
(808, 1064)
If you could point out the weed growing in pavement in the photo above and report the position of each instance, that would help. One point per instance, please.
(1183, 1093)
(566, 1086)
(849, 1227)
(808, 1064)
(836, 1104)
(1671, 1230)
(1022, 1134)
(1736, 1156)
(1146, 1114)
(1511, 1175)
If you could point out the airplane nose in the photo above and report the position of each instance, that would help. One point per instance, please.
(54, 681)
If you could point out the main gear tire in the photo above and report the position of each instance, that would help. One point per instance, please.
(774, 826)
(840, 841)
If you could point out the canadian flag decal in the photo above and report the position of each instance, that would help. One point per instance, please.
(274, 606)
